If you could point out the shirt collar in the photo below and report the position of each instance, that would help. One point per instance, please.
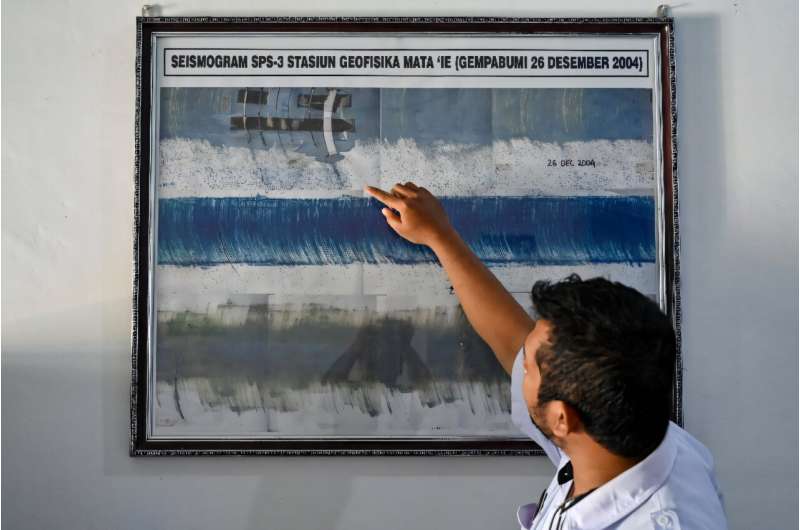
(564, 474)
(627, 491)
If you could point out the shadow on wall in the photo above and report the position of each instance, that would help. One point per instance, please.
(701, 148)
(698, 48)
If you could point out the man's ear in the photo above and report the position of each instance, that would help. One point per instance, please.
(564, 419)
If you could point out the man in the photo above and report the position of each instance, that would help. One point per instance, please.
(591, 384)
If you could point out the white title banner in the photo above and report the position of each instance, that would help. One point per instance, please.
(228, 62)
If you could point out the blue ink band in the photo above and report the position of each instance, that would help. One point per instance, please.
(500, 230)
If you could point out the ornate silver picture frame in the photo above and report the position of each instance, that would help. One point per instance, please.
(274, 313)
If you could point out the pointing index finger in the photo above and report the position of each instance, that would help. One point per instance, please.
(389, 200)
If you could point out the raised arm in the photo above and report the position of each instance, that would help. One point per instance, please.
(416, 215)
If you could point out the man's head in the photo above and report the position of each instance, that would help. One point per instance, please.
(600, 360)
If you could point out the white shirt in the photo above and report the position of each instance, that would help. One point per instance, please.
(673, 488)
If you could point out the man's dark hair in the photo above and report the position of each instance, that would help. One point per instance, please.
(611, 356)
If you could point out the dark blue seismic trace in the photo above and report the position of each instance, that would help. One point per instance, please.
(501, 230)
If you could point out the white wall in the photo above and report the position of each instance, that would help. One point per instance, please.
(67, 141)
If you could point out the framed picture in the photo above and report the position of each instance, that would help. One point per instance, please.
(276, 313)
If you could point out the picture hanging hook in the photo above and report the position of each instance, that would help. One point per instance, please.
(662, 11)
(148, 10)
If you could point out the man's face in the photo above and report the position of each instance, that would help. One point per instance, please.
(532, 378)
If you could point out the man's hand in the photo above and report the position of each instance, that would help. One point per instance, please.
(414, 213)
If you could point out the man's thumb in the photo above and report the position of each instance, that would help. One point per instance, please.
(391, 218)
